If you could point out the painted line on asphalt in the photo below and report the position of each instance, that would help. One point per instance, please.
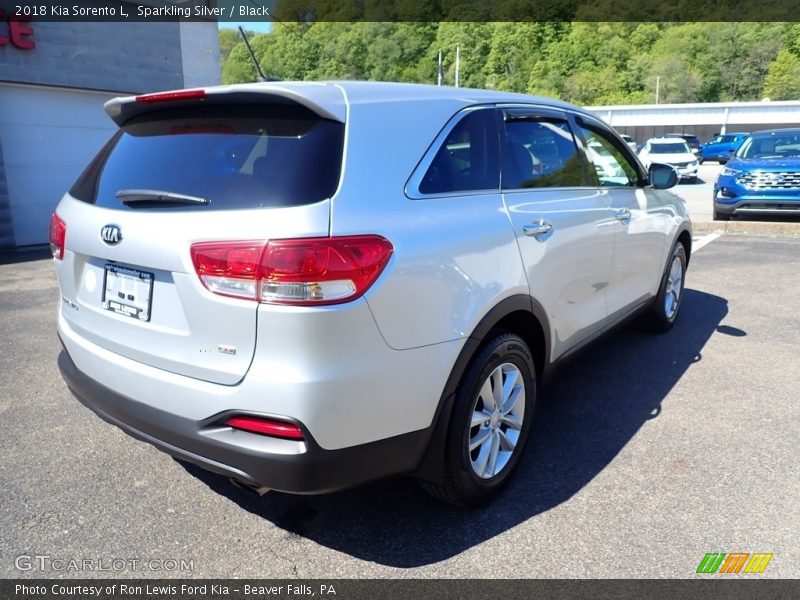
(703, 240)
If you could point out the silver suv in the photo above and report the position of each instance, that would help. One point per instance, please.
(307, 286)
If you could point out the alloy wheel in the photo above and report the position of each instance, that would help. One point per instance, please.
(672, 293)
(497, 417)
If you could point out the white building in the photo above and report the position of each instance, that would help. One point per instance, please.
(54, 79)
(704, 120)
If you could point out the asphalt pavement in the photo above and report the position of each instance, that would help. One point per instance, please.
(648, 452)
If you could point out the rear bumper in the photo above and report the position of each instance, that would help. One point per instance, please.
(284, 465)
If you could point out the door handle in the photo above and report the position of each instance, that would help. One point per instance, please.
(623, 215)
(537, 228)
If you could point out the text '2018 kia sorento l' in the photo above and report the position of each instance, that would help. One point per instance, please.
(306, 286)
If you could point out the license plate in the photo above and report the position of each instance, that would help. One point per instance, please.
(128, 292)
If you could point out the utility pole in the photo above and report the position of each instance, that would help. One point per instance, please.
(658, 82)
(458, 65)
(440, 74)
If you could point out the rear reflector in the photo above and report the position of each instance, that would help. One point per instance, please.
(58, 236)
(266, 427)
(305, 271)
(171, 96)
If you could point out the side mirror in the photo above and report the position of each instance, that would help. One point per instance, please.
(662, 177)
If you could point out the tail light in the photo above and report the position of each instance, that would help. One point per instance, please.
(269, 427)
(305, 271)
(171, 96)
(58, 236)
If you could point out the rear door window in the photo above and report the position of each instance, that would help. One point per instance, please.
(233, 156)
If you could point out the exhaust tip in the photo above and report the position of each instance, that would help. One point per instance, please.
(258, 489)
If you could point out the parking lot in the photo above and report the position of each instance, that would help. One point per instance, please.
(647, 452)
(698, 195)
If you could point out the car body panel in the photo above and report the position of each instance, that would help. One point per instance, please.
(569, 269)
(638, 242)
(720, 147)
(317, 374)
(180, 336)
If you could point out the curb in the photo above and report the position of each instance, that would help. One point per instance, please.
(746, 227)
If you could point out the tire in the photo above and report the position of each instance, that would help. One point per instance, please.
(700, 161)
(666, 306)
(469, 478)
(718, 216)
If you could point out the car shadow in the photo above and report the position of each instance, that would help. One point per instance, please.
(594, 406)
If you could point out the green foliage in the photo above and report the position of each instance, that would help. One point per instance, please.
(783, 79)
(228, 38)
(583, 62)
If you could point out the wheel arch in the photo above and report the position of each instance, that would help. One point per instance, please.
(520, 314)
(685, 237)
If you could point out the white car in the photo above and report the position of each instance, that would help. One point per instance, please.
(673, 152)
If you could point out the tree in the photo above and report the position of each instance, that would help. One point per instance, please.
(675, 79)
(783, 79)
(228, 38)
(238, 68)
(474, 41)
(585, 62)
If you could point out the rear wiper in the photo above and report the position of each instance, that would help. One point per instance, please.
(132, 196)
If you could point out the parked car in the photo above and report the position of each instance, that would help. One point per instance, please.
(691, 140)
(763, 177)
(671, 151)
(307, 286)
(721, 147)
(630, 141)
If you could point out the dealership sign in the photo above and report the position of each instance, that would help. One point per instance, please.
(16, 31)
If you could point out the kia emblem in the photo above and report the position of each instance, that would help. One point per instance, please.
(111, 234)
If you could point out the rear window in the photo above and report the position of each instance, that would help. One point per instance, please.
(468, 160)
(232, 156)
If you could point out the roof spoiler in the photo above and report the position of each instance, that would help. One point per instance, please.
(327, 101)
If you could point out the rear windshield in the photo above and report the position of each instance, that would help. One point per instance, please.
(232, 156)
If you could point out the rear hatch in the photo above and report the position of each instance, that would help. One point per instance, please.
(227, 168)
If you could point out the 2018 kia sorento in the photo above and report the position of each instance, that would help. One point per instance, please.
(307, 286)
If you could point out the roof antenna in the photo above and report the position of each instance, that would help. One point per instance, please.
(261, 77)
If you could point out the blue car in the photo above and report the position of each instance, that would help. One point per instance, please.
(762, 178)
(720, 147)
